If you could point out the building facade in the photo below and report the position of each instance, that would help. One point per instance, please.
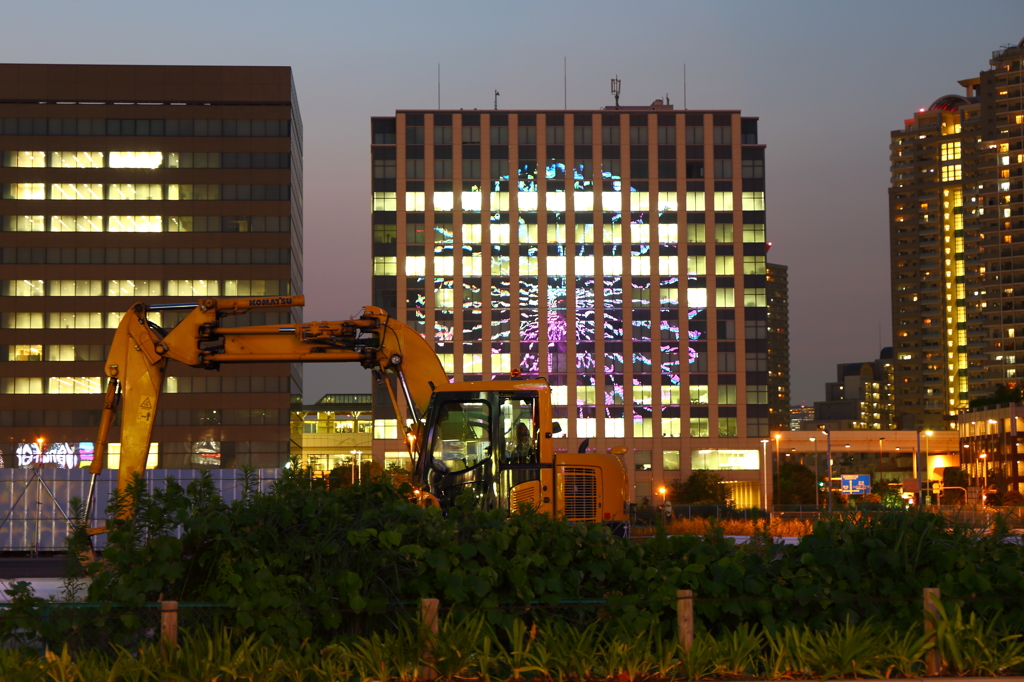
(155, 184)
(861, 397)
(778, 346)
(956, 208)
(336, 431)
(618, 252)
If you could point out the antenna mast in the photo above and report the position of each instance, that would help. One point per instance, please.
(496, 93)
(616, 89)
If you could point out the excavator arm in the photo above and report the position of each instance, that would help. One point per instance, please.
(141, 350)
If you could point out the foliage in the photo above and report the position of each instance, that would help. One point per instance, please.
(1003, 395)
(796, 484)
(467, 646)
(702, 487)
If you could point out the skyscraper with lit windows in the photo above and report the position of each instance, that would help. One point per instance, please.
(620, 253)
(144, 183)
(956, 205)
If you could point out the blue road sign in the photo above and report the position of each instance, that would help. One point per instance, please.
(856, 484)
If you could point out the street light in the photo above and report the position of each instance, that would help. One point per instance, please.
(984, 464)
(778, 470)
(764, 475)
(664, 494)
(828, 439)
(817, 476)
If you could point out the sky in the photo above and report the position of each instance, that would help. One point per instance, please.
(828, 81)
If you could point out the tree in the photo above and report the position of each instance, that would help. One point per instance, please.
(796, 484)
(954, 478)
(1003, 395)
(702, 487)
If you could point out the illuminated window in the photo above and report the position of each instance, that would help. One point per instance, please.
(952, 173)
(559, 395)
(723, 233)
(584, 234)
(667, 201)
(695, 201)
(120, 191)
(21, 385)
(725, 297)
(444, 266)
(22, 320)
(499, 201)
(696, 298)
(471, 234)
(114, 456)
(385, 429)
(443, 201)
(415, 266)
(25, 190)
(611, 234)
(250, 287)
(556, 234)
(669, 297)
(642, 395)
(555, 201)
(527, 233)
(74, 385)
(699, 427)
(382, 265)
(612, 265)
(76, 287)
(132, 160)
(472, 363)
(584, 266)
(23, 287)
(724, 265)
(472, 265)
(695, 234)
(639, 201)
(611, 201)
(134, 223)
(753, 234)
(471, 201)
(669, 395)
(501, 363)
(583, 201)
(23, 223)
(614, 427)
(668, 265)
(753, 201)
(670, 428)
(528, 266)
(640, 233)
(94, 223)
(754, 265)
(500, 266)
(950, 151)
(25, 353)
(500, 233)
(444, 299)
(698, 395)
(133, 287)
(25, 159)
(556, 265)
(754, 298)
(414, 201)
(211, 287)
(668, 233)
(640, 265)
(727, 427)
(723, 201)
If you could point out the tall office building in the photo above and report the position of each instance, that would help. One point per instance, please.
(861, 397)
(143, 183)
(778, 347)
(618, 252)
(955, 209)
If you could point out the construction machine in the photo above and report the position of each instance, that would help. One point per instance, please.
(493, 438)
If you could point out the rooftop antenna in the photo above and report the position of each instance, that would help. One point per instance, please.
(496, 93)
(684, 87)
(616, 89)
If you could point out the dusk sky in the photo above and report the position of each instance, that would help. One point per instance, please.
(828, 81)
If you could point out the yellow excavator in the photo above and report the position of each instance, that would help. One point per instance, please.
(494, 438)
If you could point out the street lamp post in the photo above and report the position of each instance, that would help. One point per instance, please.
(764, 474)
(817, 477)
(828, 439)
(778, 471)
(984, 463)
(881, 458)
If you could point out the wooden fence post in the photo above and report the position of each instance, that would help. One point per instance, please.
(684, 618)
(169, 621)
(933, 659)
(428, 613)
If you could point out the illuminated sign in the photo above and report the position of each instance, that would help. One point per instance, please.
(855, 484)
(56, 455)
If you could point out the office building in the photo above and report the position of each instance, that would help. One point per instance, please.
(144, 183)
(335, 431)
(778, 346)
(861, 397)
(956, 206)
(618, 252)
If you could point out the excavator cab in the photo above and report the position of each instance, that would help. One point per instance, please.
(489, 442)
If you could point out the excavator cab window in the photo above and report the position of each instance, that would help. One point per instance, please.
(462, 436)
(519, 425)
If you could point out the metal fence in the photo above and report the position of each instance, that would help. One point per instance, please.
(35, 503)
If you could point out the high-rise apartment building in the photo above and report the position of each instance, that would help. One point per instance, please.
(778, 346)
(620, 253)
(143, 183)
(861, 397)
(956, 206)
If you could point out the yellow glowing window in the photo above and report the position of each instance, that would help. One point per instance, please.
(555, 201)
(950, 151)
(443, 201)
(114, 455)
(640, 233)
(952, 173)
(499, 201)
(135, 159)
(25, 159)
(723, 201)
(414, 201)
(382, 265)
(472, 201)
(639, 201)
(695, 201)
(500, 233)
(667, 201)
(668, 233)
(583, 201)
(134, 223)
(27, 190)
